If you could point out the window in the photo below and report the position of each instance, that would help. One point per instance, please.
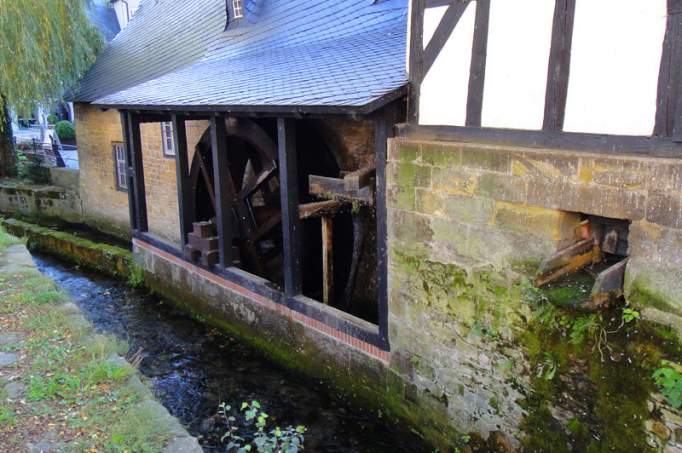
(238, 9)
(120, 166)
(167, 139)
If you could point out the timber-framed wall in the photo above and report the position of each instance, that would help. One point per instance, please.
(552, 130)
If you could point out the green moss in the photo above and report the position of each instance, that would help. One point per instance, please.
(603, 367)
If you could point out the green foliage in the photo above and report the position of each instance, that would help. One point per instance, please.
(277, 440)
(547, 367)
(47, 46)
(630, 315)
(136, 275)
(65, 130)
(52, 118)
(669, 381)
(29, 167)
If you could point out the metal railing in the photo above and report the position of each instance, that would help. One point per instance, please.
(50, 154)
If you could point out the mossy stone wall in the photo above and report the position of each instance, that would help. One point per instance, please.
(468, 225)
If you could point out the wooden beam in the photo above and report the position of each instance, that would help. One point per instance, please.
(383, 130)
(288, 182)
(416, 72)
(479, 57)
(358, 179)
(559, 65)
(320, 209)
(184, 183)
(132, 210)
(135, 149)
(442, 33)
(223, 203)
(669, 72)
(335, 188)
(327, 260)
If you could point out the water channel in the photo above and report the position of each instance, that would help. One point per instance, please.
(193, 368)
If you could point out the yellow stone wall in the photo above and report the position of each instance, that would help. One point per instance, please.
(105, 207)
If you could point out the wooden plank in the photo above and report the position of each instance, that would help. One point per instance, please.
(669, 72)
(320, 209)
(565, 261)
(223, 203)
(479, 56)
(288, 181)
(335, 188)
(184, 183)
(358, 179)
(559, 65)
(139, 194)
(132, 211)
(416, 72)
(442, 33)
(327, 260)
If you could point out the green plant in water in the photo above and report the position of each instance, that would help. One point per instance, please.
(669, 381)
(135, 276)
(277, 440)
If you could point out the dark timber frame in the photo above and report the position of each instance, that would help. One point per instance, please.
(668, 124)
(291, 296)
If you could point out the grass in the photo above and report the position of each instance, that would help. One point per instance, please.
(76, 383)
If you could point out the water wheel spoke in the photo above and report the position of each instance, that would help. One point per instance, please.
(263, 178)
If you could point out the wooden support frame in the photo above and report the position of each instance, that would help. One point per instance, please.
(184, 183)
(134, 154)
(288, 182)
(479, 58)
(670, 73)
(559, 65)
(416, 59)
(223, 205)
(132, 210)
(327, 259)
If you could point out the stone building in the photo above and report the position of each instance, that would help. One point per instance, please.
(380, 221)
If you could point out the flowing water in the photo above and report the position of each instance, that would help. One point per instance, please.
(193, 368)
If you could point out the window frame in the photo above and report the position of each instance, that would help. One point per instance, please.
(237, 9)
(121, 180)
(168, 151)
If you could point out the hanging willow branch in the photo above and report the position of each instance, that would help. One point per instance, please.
(45, 47)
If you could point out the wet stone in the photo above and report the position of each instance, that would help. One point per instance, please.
(183, 445)
(8, 359)
(15, 390)
(11, 338)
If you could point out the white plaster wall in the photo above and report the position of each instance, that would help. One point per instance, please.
(519, 42)
(443, 96)
(615, 59)
(124, 10)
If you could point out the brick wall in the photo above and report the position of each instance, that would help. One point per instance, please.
(104, 206)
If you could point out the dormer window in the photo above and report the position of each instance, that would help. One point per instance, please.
(238, 9)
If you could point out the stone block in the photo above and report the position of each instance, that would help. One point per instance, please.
(541, 164)
(471, 210)
(409, 227)
(664, 209)
(485, 158)
(456, 180)
(429, 202)
(664, 176)
(440, 155)
(549, 223)
(501, 187)
(403, 151)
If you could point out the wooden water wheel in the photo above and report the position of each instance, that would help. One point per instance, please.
(253, 189)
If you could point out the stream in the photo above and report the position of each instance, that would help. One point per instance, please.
(193, 368)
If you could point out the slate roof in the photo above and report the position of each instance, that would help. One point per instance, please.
(285, 55)
(103, 18)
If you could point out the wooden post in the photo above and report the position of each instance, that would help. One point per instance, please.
(288, 182)
(132, 210)
(185, 202)
(416, 63)
(134, 149)
(383, 129)
(327, 260)
(223, 204)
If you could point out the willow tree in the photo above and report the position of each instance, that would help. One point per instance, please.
(45, 47)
